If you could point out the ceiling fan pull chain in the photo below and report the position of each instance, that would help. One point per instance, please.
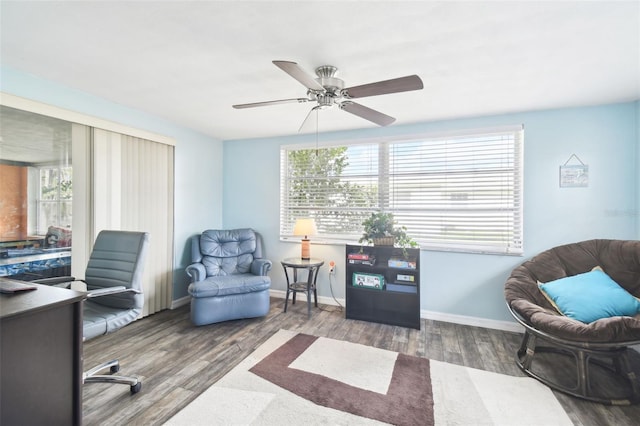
(317, 120)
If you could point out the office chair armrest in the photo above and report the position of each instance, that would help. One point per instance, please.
(260, 266)
(55, 281)
(197, 272)
(111, 290)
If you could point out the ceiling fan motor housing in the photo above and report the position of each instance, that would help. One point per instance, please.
(328, 80)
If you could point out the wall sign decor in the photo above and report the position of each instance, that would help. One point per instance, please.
(574, 175)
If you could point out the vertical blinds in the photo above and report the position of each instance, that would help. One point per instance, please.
(147, 205)
(133, 191)
(461, 193)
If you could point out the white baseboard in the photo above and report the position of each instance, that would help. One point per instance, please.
(280, 294)
(180, 302)
(273, 293)
(473, 321)
(437, 316)
(432, 315)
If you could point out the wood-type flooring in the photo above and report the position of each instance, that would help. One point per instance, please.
(177, 361)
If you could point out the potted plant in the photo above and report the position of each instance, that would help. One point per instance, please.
(380, 229)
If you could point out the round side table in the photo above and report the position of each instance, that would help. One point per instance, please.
(295, 286)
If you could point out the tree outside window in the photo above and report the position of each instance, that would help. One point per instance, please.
(318, 186)
(55, 198)
(457, 192)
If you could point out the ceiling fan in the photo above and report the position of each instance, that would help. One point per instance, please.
(327, 90)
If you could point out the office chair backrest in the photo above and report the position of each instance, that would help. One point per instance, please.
(117, 259)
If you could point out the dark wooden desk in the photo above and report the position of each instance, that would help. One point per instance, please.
(41, 357)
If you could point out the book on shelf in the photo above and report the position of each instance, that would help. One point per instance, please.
(369, 262)
(402, 288)
(402, 263)
(358, 256)
(405, 278)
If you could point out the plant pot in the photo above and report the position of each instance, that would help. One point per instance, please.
(383, 241)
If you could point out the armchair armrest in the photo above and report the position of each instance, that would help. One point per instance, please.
(261, 266)
(197, 272)
(111, 290)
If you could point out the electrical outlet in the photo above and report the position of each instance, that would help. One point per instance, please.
(332, 268)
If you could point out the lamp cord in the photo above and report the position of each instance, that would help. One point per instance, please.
(340, 308)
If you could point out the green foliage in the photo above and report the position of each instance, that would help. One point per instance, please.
(383, 224)
(56, 183)
(317, 188)
(378, 225)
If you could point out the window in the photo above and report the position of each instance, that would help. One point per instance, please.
(55, 198)
(459, 192)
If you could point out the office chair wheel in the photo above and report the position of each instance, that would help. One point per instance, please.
(114, 368)
(136, 388)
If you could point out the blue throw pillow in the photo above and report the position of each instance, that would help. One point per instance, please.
(590, 296)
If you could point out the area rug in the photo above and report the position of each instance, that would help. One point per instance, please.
(297, 379)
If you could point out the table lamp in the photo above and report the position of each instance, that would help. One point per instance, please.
(305, 227)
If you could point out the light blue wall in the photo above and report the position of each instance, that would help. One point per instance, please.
(607, 138)
(603, 137)
(198, 158)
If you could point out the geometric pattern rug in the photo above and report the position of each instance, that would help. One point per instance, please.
(297, 379)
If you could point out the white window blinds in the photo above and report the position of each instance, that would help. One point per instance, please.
(460, 192)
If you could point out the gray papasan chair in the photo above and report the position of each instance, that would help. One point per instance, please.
(228, 276)
(603, 343)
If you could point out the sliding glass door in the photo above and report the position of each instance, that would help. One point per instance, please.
(36, 194)
(63, 182)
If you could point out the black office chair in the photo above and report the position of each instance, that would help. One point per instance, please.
(114, 294)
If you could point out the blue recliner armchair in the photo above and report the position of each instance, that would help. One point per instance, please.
(228, 276)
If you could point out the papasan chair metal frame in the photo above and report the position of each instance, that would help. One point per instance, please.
(603, 343)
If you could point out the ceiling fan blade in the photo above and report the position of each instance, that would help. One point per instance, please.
(277, 102)
(367, 113)
(395, 85)
(299, 74)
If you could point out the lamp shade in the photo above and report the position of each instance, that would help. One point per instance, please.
(305, 226)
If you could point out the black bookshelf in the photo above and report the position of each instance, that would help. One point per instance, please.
(387, 285)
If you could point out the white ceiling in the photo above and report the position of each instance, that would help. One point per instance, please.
(190, 61)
